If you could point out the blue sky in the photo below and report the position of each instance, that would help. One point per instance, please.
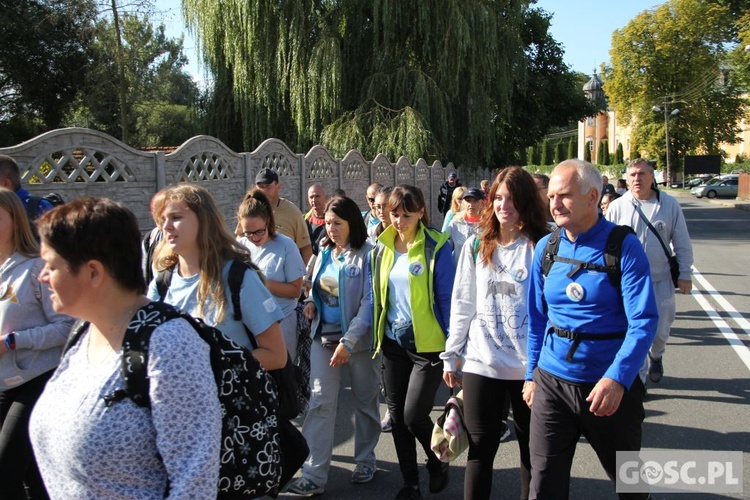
(170, 13)
(583, 27)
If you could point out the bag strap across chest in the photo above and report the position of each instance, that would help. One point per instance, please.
(134, 359)
(612, 256)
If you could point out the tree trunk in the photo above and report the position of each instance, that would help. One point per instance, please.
(123, 86)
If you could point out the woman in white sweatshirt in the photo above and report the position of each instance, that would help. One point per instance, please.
(31, 339)
(486, 350)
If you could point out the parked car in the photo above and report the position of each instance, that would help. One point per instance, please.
(659, 178)
(723, 185)
(698, 180)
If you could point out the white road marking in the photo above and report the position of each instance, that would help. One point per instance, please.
(739, 347)
(741, 321)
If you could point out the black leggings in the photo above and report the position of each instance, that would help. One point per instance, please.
(411, 381)
(17, 463)
(484, 400)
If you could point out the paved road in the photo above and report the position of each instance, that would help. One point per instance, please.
(702, 402)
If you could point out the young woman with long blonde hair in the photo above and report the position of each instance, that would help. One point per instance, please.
(198, 249)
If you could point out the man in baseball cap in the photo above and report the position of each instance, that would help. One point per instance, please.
(288, 218)
(267, 176)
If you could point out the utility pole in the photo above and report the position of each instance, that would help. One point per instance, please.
(667, 116)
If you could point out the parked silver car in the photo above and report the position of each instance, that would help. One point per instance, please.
(723, 185)
(698, 180)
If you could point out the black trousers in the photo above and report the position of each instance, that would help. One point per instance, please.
(17, 463)
(559, 416)
(484, 402)
(411, 382)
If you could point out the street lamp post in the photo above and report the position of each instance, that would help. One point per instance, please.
(667, 116)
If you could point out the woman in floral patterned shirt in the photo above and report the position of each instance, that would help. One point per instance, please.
(87, 448)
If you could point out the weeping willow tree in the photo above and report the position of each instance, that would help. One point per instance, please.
(382, 76)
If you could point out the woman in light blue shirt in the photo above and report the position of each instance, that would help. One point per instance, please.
(276, 255)
(199, 250)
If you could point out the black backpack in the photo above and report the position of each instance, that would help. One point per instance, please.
(246, 393)
(293, 392)
(612, 253)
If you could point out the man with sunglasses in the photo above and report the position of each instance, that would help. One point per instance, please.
(371, 220)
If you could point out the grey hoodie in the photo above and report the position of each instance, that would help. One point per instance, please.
(668, 219)
(26, 309)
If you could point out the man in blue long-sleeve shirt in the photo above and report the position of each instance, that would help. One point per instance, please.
(587, 338)
(10, 177)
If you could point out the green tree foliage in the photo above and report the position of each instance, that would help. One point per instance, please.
(559, 153)
(619, 155)
(530, 156)
(607, 157)
(160, 96)
(43, 57)
(601, 153)
(739, 57)
(546, 153)
(675, 53)
(383, 76)
(587, 152)
(737, 8)
(547, 94)
(572, 143)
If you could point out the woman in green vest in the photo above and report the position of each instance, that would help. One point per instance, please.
(412, 279)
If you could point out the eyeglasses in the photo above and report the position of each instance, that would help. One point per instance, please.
(255, 234)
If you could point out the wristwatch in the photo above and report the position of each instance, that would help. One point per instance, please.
(10, 341)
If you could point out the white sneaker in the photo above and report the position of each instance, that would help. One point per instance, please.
(386, 425)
